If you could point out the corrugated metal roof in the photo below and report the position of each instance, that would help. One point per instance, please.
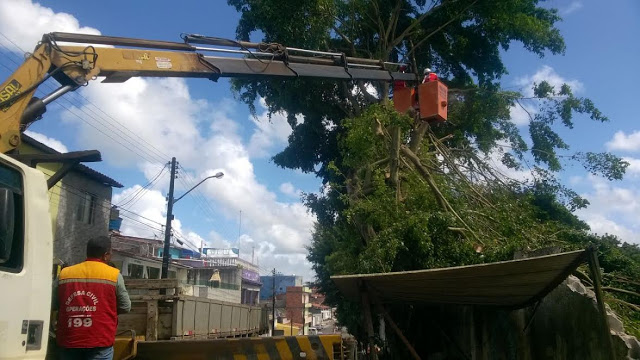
(513, 284)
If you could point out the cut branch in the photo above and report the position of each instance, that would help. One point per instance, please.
(621, 291)
(394, 154)
(632, 306)
(442, 201)
(417, 135)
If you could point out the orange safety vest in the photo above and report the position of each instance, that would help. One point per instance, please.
(87, 315)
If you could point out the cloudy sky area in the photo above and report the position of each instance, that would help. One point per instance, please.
(140, 124)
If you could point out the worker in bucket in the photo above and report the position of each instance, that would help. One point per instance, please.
(429, 76)
(90, 295)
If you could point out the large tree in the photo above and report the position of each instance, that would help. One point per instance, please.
(405, 194)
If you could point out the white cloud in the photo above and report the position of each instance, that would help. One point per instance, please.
(495, 158)
(521, 115)
(572, 7)
(204, 138)
(269, 132)
(612, 210)
(146, 118)
(50, 142)
(624, 142)
(150, 206)
(24, 22)
(548, 74)
(290, 190)
(276, 229)
(634, 166)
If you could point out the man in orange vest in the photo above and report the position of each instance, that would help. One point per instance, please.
(90, 295)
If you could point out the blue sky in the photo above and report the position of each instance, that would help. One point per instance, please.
(200, 123)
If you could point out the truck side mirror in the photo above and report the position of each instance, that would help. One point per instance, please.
(7, 222)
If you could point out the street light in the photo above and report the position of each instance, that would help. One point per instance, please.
(170, 202)
(219, 175)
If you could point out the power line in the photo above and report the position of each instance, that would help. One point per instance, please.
(119, 126)
(133, 140)
(142, 190)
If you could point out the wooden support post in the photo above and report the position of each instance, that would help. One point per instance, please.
(395, 328)
(366, 310)
(594, 266)
(152, 321)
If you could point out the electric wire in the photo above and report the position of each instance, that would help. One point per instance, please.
(121, 127)
(133, 140)
(138, 194)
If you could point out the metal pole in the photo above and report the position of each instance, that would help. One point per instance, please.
(273, 306)
(304, 303)
(167, 228)
(594, 266)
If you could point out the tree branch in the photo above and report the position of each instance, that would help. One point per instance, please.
(346, 38)
(417, 22)
(442, 26)
(394, 154)
(621, 291)
(632, 306)
(417, 135)
(439, 196)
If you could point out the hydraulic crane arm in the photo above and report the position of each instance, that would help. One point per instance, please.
(119, 59)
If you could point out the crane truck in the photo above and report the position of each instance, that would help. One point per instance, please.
(75, 60)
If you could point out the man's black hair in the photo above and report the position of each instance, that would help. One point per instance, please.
(98, 246)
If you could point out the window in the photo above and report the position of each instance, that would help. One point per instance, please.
(11, 220)
(86, 208)
(154, 273)
(135, 271)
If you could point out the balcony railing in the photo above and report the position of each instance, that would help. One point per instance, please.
(210, 284)
(228, 262)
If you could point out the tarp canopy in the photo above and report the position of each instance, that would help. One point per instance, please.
(513, 284)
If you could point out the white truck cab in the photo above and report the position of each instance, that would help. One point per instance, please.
(26, 258)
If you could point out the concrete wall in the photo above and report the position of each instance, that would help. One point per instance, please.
(122, 262)
(230, 286)
(71, 235)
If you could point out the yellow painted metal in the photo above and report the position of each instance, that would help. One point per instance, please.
(23, 80)
(263, 348)
(125, 63)
(305, 345)
(125, 347)
(328, 341)
(78, 64)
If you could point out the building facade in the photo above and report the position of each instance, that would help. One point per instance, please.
(282, 282)
(79, 204)
(225, 278)
(298, 306)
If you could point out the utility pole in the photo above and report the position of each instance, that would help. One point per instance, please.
(167, 228)
(273, 306)
(304, 303)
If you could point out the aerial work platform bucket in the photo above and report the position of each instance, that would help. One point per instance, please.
(431, 100)
(432, 97)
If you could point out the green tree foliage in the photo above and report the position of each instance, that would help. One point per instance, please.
(404, 194)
